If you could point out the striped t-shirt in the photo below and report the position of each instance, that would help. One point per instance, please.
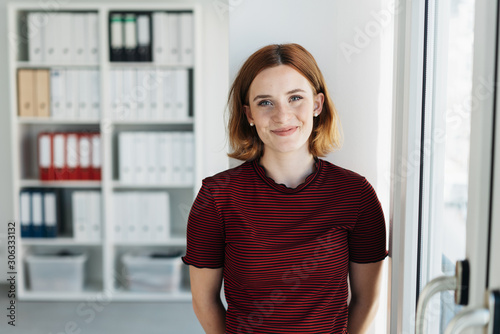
(285, 251)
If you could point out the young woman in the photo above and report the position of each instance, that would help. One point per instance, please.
(285, 230)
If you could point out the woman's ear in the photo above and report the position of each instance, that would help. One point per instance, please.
(319, 99)
(248, 113)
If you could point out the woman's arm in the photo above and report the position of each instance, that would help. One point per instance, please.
(205, 287)
(364, 279)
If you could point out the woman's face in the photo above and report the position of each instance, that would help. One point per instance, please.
(282, 106)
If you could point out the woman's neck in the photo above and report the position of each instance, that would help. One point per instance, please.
(288, 169)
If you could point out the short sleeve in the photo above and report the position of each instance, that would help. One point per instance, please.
(367, 240)
(205, 232)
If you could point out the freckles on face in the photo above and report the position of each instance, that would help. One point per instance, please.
(281, 105)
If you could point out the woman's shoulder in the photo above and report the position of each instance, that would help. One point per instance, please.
(229, 175)
(338, 173)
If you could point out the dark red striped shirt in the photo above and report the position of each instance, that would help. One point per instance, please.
(285, 251)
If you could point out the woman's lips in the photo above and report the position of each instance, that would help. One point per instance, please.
(285, 131)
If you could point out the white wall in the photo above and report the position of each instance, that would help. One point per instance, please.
(352, 43)
(215, 79)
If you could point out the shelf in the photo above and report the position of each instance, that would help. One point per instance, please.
(153, 122)
(28, 64)
(170, 242)
(48, 120)
(120, 295)
(119, 185)
(58, 242)
(91, 290)
(61, 183)
(147, 64)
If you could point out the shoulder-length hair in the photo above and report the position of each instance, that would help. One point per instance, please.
(245, 143)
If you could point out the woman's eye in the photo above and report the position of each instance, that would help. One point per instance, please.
(264, 103)
(295, 98)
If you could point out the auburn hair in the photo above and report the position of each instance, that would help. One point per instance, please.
(244, 141)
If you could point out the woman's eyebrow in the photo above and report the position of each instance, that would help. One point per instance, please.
(293, 91)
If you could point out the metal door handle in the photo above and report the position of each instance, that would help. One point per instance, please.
(468, 318)
(443, 283)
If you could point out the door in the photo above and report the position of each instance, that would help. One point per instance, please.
(446, 169)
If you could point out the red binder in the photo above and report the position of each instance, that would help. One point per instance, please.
(45, 156)
(85, 152)
(59, 156)
(72, 156)
(95, 140)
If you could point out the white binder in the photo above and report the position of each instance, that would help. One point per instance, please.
(51, 38)
(161, 208)
(129, 96)
(169, 93)
(25, 210)
(140, 149)
(37, 212)
(84, 92)
(155, 93)
(129, 211)
(36, 26)
(164, 152)
(143, 211)
(50, 206)
(57, 93)
(125, 157)
(92, 38)
(130, 37)
(95, 95)
(79, 28)
(151, 158)
(94, 227)
(187, 39)
(118, 216)
(80, 216)
(142, 95)
(181, 108)
(177, 171)
(159, 37)
(173, 35)
(96, 150)
(84, 151)
(188, 158)
(65, 42)
(72, 91)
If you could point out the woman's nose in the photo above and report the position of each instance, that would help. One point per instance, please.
(281, 113)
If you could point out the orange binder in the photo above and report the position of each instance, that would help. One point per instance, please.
(25, 93)
(45, 156)
(42, 93)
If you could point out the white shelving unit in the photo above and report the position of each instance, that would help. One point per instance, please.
(102, 268)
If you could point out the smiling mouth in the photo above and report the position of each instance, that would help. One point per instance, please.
(285, 131)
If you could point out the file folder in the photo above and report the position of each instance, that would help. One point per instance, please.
(36, 26)
(42, 93)
(79, 31)
(187, 39)
(51, 36)
(57, 93)
(37, 214)
(92, 38)
(50, 214)
(159, 48)
(64, 44)
(59, 156)
(173, 54)
(96, 156)
(72, 156)
(94, 230)
(143, 37)
(116, 37)
(84, 94)
(125, 157)
(79, 206)
(26, 92)
(130, 38)
(72, 91)
(95, 98)
(84, 150)
(45, 156)
(25, 213)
